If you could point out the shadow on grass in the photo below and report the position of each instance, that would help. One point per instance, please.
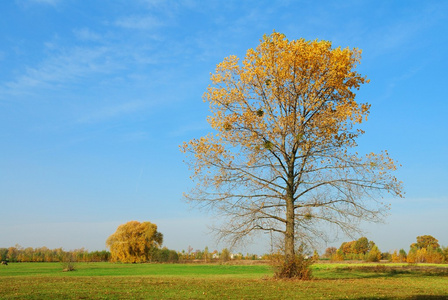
(417, 297)
(381, 271)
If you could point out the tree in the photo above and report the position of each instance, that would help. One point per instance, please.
(374, 254)
(445, 254)
(330, 251)
(315, 256)
(426, 241)
(356, 249)
(362, 245)
(338, 256)
(402, 254)
(348, 247)
(206, 254)
(399, 257)
(3, 254)
(427, 249)
(134, 242)
(164, 255)
(225, 255)
(281, 158)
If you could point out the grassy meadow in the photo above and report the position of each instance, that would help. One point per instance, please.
(213, 281)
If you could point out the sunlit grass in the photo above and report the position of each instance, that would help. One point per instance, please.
(178, 281)
(110, 269)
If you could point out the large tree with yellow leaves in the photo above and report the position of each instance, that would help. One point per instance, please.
(281, 156)
(134, 242)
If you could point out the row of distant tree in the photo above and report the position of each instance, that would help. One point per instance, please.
(136, 242)
(426, 249)
(44, 254)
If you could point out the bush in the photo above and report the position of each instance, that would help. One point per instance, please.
(445, 254)
(225, 255)
(68, 263)
(402, 255)
(298, 268)
(386, 256)
(164, 255)
(412, 256)
(338, 256)
(374, 255)
(330, 251)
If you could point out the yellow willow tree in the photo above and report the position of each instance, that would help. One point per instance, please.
(134, 242)
(281, 157)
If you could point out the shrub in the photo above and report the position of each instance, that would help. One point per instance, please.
(386, 256)
(298, 268)
(402, 255)
(68, 263)
(412, 256)
(445, 254)
(315, 256)
(164, 255)
(338, 256)
(225, 255)
(330, 251)
(395, 258)
(374, 255)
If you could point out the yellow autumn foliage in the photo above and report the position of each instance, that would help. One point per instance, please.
(134, 241)
(280, 156)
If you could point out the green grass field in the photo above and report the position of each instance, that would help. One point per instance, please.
(197, 281)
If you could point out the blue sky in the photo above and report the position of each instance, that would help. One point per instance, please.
(96, 97)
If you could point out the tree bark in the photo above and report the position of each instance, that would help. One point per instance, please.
(289, 233)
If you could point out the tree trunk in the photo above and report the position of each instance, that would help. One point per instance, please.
(289, 234)
(290, 215)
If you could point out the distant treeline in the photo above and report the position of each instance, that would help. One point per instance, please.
(426, 250)
(161, 255)
(44, 254)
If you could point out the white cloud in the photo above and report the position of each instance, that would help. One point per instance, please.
(402, 35)
(51, 2)
(45, 2)
(153, 3)
(139, 22)
(62, 69)
(114, 111)
(86, 34)
(193, 127)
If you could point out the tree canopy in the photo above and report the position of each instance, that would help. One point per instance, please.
(426, 241)
(134, 242)
(280, 157)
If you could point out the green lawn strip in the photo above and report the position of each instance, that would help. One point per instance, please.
(109, 269)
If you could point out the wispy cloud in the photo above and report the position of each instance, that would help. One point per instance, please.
(46, 2)
(402, 34)
(139, 22)
(393, 37)
(193, 127)
(135, 136)
(52, 2)
(114, 111)
(86, 34)
(66, 67)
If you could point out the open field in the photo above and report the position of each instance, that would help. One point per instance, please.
(188, 281)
